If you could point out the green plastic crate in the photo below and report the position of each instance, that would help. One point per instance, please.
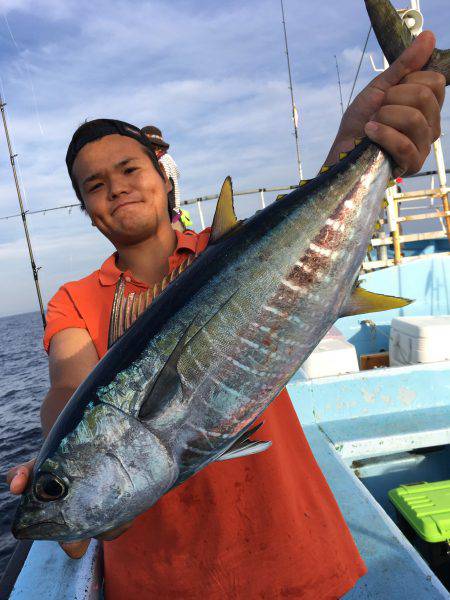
(426, 507)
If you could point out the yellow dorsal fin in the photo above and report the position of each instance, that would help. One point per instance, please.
(224, 218)
(361, 301)
(342, 155)
(325, 168)
(280, 196)
(304, 182)
(358, 141)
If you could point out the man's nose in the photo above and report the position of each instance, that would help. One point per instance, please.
(117, 186)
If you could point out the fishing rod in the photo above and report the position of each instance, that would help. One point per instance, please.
(339, 83)
(359, 66)
(23, 213)
(294, 108)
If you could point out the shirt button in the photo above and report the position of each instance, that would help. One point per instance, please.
(127, 279)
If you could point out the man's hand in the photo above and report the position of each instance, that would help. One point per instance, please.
(399, 110)
(17, 479)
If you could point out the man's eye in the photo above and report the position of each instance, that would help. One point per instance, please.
(95, 187)
(130, 170)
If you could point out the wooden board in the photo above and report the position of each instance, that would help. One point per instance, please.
(374, 361)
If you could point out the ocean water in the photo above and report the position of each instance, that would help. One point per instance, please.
(24, 383)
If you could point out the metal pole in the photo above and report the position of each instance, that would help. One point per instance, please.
(263, 204)
(22, 212)
(294, 109)
(200, 212)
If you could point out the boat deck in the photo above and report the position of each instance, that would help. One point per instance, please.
(340, 438)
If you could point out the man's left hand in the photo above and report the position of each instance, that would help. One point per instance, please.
(399, 110)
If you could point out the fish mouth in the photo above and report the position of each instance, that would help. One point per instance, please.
(45, 530)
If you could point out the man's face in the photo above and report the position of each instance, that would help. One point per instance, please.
(124, 195)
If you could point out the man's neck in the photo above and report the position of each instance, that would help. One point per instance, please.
(148, 261)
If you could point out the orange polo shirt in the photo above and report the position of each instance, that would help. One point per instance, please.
(260, 527)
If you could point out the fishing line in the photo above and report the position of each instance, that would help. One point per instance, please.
(28, 73)
(359, 66)
(10, 32)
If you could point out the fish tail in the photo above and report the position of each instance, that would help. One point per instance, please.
(394, 36)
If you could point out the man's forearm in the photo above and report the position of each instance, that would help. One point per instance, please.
(53, 404)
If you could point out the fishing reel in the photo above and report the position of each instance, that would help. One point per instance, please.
(413, 19)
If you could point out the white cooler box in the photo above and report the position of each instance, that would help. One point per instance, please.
(419, 340)
(332, 356)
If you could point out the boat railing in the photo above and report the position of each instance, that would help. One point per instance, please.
(388, 232)
(389, 227)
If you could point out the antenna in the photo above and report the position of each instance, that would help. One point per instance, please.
(294, 108)
(22, 211)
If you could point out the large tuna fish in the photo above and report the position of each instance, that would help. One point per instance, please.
(188, 380)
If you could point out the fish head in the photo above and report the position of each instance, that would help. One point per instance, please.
(91, 484)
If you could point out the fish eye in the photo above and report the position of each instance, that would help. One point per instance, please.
(49, 487)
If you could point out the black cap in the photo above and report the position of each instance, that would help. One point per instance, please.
(98, 128)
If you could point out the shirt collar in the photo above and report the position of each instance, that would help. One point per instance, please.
(109, 273)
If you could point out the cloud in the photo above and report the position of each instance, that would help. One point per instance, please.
(211, 75)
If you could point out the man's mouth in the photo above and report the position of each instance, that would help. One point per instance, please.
(122, 204)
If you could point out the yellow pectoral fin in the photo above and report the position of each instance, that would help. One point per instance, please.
(361, 301)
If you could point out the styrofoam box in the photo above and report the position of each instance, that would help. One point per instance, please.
(419, 340)
(332, 356)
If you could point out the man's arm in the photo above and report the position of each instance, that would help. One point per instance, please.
(72, 357)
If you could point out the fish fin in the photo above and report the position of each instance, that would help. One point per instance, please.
(249, 447)
(361, 301)
(167, 383)
(324, 169)
(280, 196)
(394, 36)
(224, 218)
(303, 182)
(244, 446)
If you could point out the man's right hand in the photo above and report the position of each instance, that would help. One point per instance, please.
(17, 478)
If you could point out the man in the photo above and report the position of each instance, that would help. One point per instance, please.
(265, 526)
(154, 135)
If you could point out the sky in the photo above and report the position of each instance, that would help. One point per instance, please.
(211, 75)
